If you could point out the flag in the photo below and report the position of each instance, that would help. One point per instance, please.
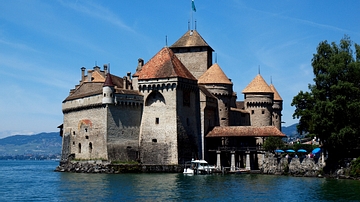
(193, 5)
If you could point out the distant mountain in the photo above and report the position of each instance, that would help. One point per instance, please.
(290, 131)
(39, 144)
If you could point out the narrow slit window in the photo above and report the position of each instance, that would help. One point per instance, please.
(90, 147)
(157, 121)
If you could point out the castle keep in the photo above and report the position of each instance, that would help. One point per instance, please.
(177, 106)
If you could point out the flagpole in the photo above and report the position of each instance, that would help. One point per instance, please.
(192, 12)
(193, 8)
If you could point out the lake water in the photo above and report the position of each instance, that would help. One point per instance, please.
(36, 181)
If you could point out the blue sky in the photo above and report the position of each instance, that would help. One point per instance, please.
(43, 45)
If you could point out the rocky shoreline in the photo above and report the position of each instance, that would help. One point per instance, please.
(305, 167)
(107, 167)
(272, 165)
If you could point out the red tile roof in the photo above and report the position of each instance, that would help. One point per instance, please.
(257, 85)
(92, 88)
(245, 131)
(276, 94)
(214, 75)
(164, 65)
(86, 89)
(190, 39)
(108, 80)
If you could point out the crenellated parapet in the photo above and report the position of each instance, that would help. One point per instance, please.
(129, 100)
(169, 84)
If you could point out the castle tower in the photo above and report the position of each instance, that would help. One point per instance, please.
(170, 125)
(277, 108)
(258, 98)
(193, 51)
(215, 80)
(108, 90)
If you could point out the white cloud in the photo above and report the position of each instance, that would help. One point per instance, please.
(97, 11)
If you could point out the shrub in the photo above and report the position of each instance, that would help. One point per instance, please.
(355, 168)
(272, 143)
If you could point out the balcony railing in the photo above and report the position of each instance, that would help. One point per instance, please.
(241, 148)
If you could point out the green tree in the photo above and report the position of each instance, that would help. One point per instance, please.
(272, 143)
(331, 108)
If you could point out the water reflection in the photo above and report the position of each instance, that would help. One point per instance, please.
(36, 181)
(179, 187)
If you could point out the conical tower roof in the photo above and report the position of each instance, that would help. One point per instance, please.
(190, 39)
(108, 80)
(257, 85)
(276, 94)
(164, 64)
(214, 75)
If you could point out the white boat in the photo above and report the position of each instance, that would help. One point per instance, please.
(198, 167)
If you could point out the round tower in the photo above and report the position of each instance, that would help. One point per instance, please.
(215, 80)
(258, 98)
(108, 90)
(277, 108)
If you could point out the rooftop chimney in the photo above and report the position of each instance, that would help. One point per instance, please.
(140, 64)
(82, 73)
(105, 69)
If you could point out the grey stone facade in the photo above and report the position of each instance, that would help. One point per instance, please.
(260, 108)
(162, 115)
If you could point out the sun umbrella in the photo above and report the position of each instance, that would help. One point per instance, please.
(279, 151)
(316, 150)
(302, 151)
(290, 151)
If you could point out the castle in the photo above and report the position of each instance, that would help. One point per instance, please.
(177, 106)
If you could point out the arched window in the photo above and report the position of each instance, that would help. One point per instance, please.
(155, 99)
(79, 147)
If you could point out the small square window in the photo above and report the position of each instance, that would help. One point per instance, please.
(157, 120)
(252, 111)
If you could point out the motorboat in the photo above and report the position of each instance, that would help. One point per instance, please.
(198, 167)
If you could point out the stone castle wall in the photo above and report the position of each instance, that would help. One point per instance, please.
(170, 128)
(83, 103)
(260, 109)
(209, 118)
(276, 119)
(123, 129)
(196, 61)
(188, 122)
(223, 92)
(158, 135)
(86, 131)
